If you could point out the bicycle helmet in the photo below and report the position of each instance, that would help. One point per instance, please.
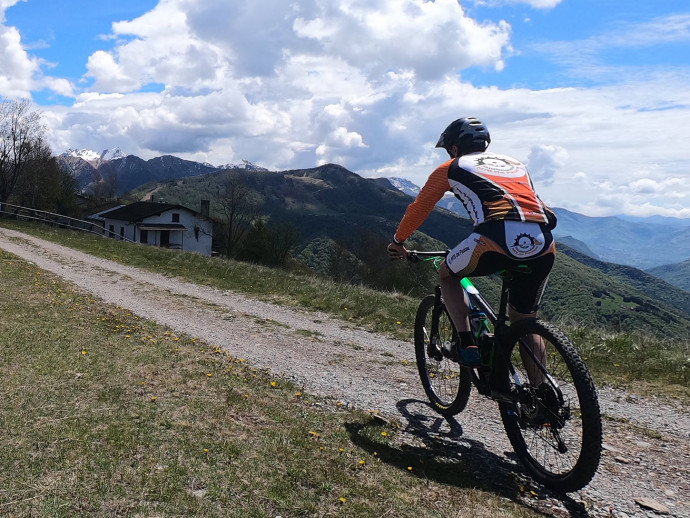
(468, 133)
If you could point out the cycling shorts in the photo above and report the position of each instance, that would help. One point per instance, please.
(496, 245)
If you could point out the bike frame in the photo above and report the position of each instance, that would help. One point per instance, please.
(499, 319)
(536, 411)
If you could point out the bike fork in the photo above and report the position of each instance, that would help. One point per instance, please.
(434, 348)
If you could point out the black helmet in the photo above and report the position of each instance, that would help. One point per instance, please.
(468, 133)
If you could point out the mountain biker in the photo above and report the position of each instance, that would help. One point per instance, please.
(511, 226)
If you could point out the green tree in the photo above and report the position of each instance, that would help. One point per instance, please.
(269, 244)
(255, 245)
(283, 238)
(64, 197)
(343, 265)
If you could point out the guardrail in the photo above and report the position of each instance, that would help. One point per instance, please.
(56, 220)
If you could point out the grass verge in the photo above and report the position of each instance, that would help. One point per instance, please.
(104, 414)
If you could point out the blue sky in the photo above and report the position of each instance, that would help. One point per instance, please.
(592, 95)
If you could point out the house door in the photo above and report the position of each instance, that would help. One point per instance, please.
(165, 238)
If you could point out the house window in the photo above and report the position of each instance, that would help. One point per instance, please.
(144, 236)
(122, 232)
(176, 217)
(111, 229)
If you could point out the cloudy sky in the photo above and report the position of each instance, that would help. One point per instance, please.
(592, 94)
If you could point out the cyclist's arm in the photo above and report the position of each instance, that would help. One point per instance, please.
(433, 190)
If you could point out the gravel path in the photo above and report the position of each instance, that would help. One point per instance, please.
(645, 469)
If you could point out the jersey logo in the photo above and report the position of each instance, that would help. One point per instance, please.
(525, 245)
(498, 166)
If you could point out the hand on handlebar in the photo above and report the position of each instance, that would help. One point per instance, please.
(396, 251)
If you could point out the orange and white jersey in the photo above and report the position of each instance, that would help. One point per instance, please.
(491, 187)
(495, 187)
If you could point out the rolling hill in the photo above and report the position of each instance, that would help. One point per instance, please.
(327, 201)
(677, 274)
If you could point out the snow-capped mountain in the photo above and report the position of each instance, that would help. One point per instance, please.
(404, 185)
(91, 156)
(112, 154)
(245, 164)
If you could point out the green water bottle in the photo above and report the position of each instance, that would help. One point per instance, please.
(483, 336)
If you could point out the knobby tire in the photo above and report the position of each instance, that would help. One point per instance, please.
(446, 383)
(536, 429)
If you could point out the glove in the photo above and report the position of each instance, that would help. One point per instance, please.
(397, 251)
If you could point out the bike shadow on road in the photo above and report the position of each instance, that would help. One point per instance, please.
(434, 447)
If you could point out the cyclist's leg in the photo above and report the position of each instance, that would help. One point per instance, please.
(475, 255)
(454, 298)
(525, 299)
(535, 344)
(469, 257)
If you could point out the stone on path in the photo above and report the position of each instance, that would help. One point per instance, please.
(655, 506)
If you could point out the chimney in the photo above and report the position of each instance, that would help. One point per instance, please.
(205, 208)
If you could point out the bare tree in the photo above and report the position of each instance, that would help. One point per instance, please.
(45, 185)
(241, 207)
(37, 183)
(21, 131)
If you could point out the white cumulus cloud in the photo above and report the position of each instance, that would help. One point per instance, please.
(17, 68)
(545, 162)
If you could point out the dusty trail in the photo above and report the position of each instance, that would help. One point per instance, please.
(647, 443)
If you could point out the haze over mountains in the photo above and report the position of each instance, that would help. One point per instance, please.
(640, 242)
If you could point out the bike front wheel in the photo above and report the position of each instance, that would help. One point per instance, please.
(555, 425)
(446, 383)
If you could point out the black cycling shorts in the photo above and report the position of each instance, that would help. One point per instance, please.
(498, 245)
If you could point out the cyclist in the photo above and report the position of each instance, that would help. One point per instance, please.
(511, 226)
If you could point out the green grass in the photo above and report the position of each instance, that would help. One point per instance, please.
(636, 361)
(105, 414)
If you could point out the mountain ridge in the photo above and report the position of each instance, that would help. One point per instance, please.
(621, 240)
(90, 155)
(331, 204)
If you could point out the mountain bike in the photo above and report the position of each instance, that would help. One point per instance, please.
(546, 396)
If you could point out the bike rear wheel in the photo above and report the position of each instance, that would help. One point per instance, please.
(446, 383)
(555, 427)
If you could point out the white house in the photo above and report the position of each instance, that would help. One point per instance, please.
(160, 224)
